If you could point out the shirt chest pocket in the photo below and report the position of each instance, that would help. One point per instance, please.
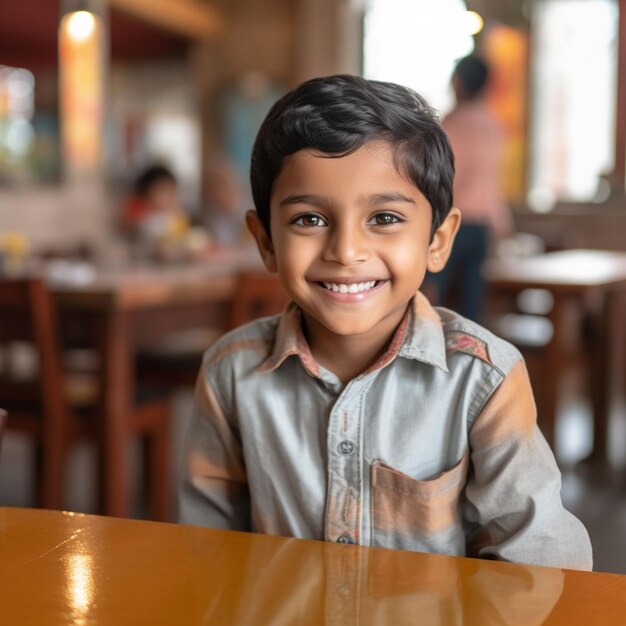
(406, 511)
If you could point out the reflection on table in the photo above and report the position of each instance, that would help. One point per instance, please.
(60, 568)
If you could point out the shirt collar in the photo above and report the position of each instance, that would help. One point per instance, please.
(290, 341)
(420, 336)
(425, 340)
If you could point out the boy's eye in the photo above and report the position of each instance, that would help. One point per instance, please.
(309, 220)
(384, 219)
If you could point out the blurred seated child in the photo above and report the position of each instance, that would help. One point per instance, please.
(153, 215)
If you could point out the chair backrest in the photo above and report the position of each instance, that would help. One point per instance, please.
(27, 314)
(38, 407)
(258, 294)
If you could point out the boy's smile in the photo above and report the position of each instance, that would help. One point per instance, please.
(355, 291)
(351, 243)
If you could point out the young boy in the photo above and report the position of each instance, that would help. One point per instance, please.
(361, 414)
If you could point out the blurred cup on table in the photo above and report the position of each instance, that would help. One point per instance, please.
(14, 250)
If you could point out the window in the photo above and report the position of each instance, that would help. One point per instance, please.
(417, 43)
(573, 97)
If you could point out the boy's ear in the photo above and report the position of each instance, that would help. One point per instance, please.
(263, 242)
(441, 245)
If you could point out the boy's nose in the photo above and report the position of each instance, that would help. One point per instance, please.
(346, 246)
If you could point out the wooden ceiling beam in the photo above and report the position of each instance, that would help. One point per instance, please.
(189, 18)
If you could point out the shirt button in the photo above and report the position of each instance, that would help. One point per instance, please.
(346, 447)
(345, 539)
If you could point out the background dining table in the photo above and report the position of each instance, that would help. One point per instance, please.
(68, 568)
(594, 282)
(116, 311)
(120, 310)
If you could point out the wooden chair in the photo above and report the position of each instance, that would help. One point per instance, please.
(176, 361)
(258, 294)
(54, 410)
(3, 421)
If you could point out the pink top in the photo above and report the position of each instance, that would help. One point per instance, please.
(478, 144)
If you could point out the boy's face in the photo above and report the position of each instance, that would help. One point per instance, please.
(350, 240)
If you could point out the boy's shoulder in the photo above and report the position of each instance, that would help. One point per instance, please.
(246, 346)
(463, 336)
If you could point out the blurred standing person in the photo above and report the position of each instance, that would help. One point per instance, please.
(478, 144)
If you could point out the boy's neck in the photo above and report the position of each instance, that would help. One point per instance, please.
(347, 356)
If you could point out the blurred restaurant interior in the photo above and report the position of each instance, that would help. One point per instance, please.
(99, 99)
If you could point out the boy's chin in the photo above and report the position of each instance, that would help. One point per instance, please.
(347, 328)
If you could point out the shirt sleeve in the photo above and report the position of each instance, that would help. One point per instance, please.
(214, 489)
(513, 489)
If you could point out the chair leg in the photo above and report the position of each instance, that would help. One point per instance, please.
(51, 456)
(113, 479)
(158, 469)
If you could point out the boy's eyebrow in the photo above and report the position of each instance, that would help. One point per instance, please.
(305, 198)
(375, 198)
(392, 196)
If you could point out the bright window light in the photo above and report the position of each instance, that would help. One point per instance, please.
(573, 87)
(417, 43)
(474, 22)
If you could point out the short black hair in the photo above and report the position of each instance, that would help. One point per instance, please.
(152, 175)
(472, 73)
(336, 115)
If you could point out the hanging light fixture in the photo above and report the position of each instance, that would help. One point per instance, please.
(82, 46)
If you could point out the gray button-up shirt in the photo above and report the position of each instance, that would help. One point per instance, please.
(434, 448)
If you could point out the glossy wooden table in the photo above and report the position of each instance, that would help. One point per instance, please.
(124, 309)
(594, 281)
(67, 568)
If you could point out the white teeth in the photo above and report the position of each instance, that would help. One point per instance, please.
(350, 288)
